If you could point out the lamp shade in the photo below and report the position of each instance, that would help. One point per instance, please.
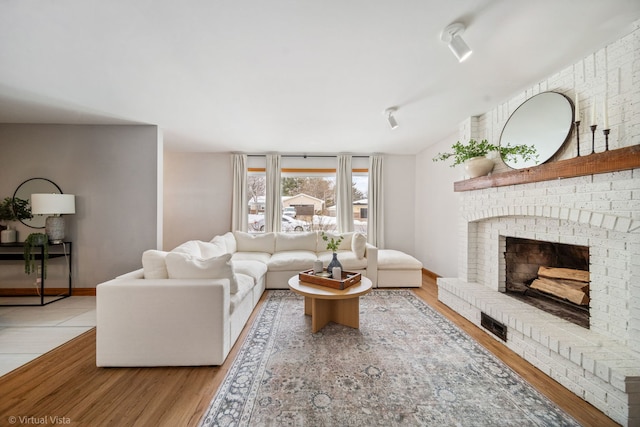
(53, 204)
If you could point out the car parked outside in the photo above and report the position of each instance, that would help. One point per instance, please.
(288, 224)
(289, 211)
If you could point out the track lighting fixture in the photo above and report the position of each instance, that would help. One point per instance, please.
(392, 120)
(452, 35)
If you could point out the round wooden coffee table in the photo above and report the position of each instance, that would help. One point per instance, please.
(326, 304)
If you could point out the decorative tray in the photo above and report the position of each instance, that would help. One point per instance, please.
(323, 279)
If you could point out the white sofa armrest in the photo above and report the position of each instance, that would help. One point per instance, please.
(371, 253)
(165, 322)
(136, 274)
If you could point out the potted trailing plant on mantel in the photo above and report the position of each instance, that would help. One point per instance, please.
(32, 241)
(473, 155)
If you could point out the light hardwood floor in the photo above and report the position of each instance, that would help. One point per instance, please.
(66, 383)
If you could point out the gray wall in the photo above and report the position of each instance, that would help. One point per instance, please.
(114, 173)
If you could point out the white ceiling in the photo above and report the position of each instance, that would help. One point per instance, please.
(287, 75)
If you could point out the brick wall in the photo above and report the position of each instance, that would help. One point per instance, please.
(565, 211)
(602, 364)
(612, 72)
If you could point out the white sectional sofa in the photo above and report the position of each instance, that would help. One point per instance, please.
(187, 307)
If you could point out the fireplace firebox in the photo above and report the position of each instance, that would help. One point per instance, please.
(528, 263)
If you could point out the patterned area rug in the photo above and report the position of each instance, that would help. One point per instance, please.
(406, 365)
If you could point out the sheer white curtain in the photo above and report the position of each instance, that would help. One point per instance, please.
(273, 206)
(344, 197)
(239, 207)
(375, 223)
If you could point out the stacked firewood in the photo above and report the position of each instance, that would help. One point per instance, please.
(565, 283)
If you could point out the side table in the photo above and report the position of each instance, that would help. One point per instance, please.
(15, 251)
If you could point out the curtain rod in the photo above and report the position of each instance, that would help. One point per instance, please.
(304, 156)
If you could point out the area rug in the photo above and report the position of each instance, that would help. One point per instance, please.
(406, 365)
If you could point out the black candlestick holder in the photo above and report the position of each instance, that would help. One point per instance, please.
(593, 138)
(606, 139)
(577, 122)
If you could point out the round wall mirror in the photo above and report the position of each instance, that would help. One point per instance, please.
(34, 186)
(544, 121)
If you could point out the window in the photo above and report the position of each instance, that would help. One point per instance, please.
(312, 193)
(256, 191)
(360, 179)
(308, 199)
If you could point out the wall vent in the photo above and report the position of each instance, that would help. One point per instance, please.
(492, 325)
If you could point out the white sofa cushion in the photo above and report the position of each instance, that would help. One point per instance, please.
(292, 260)
(391, 259)
(191, 247)
(263, 242)
(153, 264)
(348, 259)
(305, 241)
(345, 244)
(213, 248)
(230, 240)
(263, 257)
(254, 269)
(185, 266)
(359, 244)
(245, 284)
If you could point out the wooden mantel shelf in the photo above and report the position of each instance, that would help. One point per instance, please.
(608, 161)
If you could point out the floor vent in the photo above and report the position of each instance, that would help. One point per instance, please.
(492, 325)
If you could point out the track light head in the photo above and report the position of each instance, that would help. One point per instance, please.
(452, 35)
(392, 120)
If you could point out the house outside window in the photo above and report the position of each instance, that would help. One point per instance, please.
(308, 199)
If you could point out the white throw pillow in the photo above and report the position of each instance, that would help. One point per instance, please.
(185, 266)
(153, 264)
(345, 244)
(191, 247)
(230, 240)
(358, 244)
(263, 242)
(305, 241)
(212, 249)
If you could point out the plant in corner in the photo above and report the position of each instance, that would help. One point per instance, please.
(332, 245)
(463, 153)
(32, 241)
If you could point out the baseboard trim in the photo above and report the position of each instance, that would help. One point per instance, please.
(430, 274)
(78, 292)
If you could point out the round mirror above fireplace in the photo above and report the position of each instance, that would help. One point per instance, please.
(544, 121)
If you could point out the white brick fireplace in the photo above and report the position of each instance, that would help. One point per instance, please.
(600, 364)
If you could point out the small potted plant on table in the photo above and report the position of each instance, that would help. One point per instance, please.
(332, 245)
(12, 209)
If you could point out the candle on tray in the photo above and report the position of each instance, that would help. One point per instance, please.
(337, 273)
